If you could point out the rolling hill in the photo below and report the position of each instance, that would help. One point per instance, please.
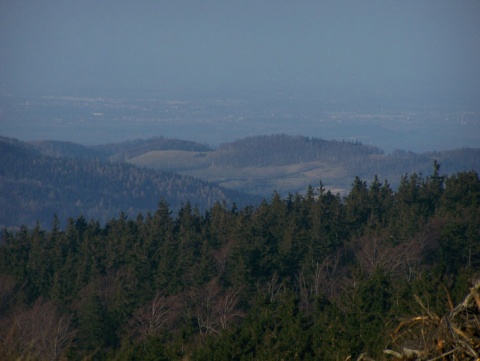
(34, 186)
(43, 178)
(283, 163)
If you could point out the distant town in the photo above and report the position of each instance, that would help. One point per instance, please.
(94, 120)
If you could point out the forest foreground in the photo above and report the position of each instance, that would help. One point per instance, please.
(303, 277)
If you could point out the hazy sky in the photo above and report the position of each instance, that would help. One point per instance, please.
(61, 47)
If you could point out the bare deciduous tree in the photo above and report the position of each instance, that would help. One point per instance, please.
(156, 317)
(221, 256)
(204, 299)
(226, 306)
(380, 252)
(39, 333)
(213, 309)
(272, 288)
(323, 281)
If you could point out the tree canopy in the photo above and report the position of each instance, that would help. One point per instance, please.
(307, 277)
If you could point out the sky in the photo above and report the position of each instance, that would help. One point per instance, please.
(416, 48)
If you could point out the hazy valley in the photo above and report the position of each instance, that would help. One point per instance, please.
(390, 125)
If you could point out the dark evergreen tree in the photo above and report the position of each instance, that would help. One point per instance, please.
(310, 276)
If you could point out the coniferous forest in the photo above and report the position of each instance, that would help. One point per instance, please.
(303, 277)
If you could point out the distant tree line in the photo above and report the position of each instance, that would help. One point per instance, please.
(130, 149)
(307, 277)
(282, 149)
(121, 151)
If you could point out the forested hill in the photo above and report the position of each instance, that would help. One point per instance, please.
(288, 164)
(353, 158)
(305, 277)
(282, 149)
(116, 151)
(126, 150)
(34, 186)
(61, 149)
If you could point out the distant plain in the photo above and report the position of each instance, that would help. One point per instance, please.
(216, 120)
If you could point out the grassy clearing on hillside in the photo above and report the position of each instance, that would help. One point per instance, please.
(257, 180)
(289, 164)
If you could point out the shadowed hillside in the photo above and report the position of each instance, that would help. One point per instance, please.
(34, 186)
